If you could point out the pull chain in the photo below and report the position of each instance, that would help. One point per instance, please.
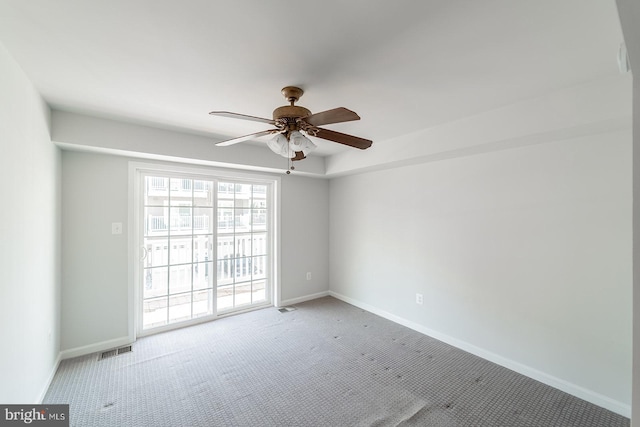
(289, 159)
(290, 166)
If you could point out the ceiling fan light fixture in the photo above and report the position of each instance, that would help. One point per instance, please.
(279, 145)
(299, 142)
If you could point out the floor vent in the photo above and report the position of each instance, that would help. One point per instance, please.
(114, 352)
(286, 309)
(126, 349)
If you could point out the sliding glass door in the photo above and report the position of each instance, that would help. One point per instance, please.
(206, 247)
(242, 256)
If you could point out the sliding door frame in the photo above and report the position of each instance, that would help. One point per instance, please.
(137, 170)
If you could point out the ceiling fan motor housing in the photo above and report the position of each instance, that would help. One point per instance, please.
(290, 111)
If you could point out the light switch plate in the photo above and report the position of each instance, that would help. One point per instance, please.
(116, 228)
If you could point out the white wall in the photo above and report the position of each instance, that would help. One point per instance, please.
(29, 236)
(95, 275)
(523, 255)
(305, 237)
(94, 261)
(629, 11)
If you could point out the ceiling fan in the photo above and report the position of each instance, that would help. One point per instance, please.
(291, 120)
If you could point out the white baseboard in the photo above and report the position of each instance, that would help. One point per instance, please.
(93, 348)
(47, 384)
(298, 300)
(567, 387)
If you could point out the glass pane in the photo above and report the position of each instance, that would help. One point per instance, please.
(202, 220)
(202, 193)
(243, 195)
(180, 191)
(202, 248)
(259, 203)
(242, 203)
(259, 293)
(243, 245)
(156, 190)
(180, 218)
(203, 275)
(259, 265)
(224, 203)
(259, 196)
(156, 221)
(242, 269)
(225, 271)
(180, 250)
(225, 190)
(180, 278)
(154, 312)
(155, 282)
(243, 294)
(179, 307)
(226, 247)
(242, 220)
(202, 303)
(156, 251)
(259, 244)
(225, 297)
(225, 220)
(259, 219)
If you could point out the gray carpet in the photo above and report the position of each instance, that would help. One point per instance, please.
(326, 363)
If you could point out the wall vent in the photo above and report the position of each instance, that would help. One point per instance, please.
(115, 352)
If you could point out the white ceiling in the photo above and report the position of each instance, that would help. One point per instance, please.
(402, 66)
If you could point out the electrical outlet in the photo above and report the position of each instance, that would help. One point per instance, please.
(309, 275)
(419, 299)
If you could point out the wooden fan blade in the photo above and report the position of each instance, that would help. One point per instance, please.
(246, 137)
(343, 138)
(242, 116)
(337, 115)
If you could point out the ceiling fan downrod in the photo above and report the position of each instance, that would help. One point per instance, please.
(292, 93)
